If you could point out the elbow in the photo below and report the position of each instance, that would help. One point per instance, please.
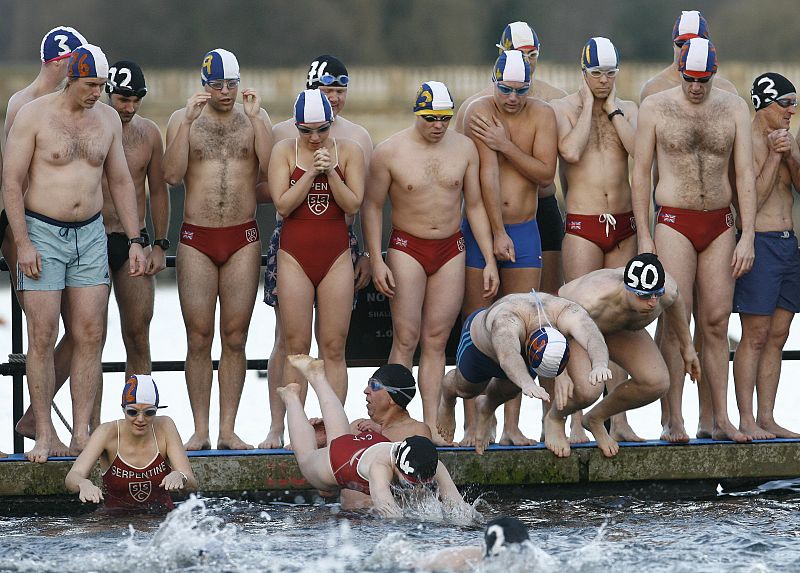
(569, 155)
(352, 209)
(282, 210)
(544, 183)
(172, 179)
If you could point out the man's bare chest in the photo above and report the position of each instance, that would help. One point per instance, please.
(213, 140)
(63, 143)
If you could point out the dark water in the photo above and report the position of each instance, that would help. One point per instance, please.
(754, 532)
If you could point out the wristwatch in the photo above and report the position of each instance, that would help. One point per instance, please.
(163, 243)
(137, 241)
(365, 254)
(615, 112)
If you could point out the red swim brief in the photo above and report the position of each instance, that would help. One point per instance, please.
(219, 243)
(432, 254)
(606, 230)
(700, 227)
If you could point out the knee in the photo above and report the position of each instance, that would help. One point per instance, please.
(234, 340)
(586, 394)
(435, 341)
(296, 342)
(405, 339)
(89, 334)
(199, 340)
(755, 338)
(777, 339)
(716, 324)
(655, 386)
(333, 350)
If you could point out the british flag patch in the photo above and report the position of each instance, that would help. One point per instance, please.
(574, 225)
(187, 234)
(399, 241)
(668, 218)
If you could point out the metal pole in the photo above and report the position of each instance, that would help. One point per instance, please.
(16, 348)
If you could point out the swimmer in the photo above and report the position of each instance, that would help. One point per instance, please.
(220, 150)
(504, 348)
(423, 275)
(141, 456)
(367, 462)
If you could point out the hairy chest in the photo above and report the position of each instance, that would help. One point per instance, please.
(65, 142)
(215, 140)
(708, 132)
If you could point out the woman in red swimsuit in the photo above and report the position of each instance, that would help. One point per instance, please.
(315, 181)
(141, 456)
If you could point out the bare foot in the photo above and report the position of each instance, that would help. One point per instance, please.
(779, 431)
(555, 435)
(577, 435)
(483, 422)
(515, 437)
(27, 425)
(274, 440)
(76, 444)
(59, 449)
(232, 442)
(728, 431)
(289, 392)
(446, 417)
(621, 430)
(439, 440)
(674, 433)
(468, 441)
(606, 443)
(312, 369)
(754, 431)
(40, 451)
(703, 433)
(197, 442)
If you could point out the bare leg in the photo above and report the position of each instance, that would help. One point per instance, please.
(336, 423)
(135, 298)
(621, 430)
(453, 386)
(577, 433)
(473, 300)
(277, 410)
(705, 422)
(770, 373)
(496, 393)
(296, 308)
(746, 366)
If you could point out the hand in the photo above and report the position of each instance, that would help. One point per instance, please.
(563, 390)
(386, 510)
(490, 131)
(363, 272)
(532, 390)
(743, 256)
(599, 374)
(491, 280)
(136, 260)
(173, 481)
(156, 261)
(504, 247)
(647, 245)
(252, 103)
(382, 278)
(367, 425)
(90, 493)
(780, 141)
(322, 160)
(195, 105)
(691, 363)
(585, 93)
(611, 101)
(29, 260)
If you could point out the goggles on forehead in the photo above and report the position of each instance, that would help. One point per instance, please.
(126, 91)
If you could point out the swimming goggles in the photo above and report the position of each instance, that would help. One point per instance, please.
(692, 79)
(376, 385)
(786, 102)
(434, 118)
(219, 84)
(309, 130)
(647, 295)
(328, 79)
(506, 90)
(133, 412)
(597, 73)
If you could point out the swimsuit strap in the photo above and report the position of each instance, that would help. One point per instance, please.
(155, 439)
(540, 309)
(117, 454)
(296, 164)
(335, 153)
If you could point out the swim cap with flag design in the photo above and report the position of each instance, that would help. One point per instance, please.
(433, 98)
(698, 58)
(502, 532)
(417, 459)
(690, 24)
(312, 106)
(644, 274)
(519, 36)
(599, 52)
(140, 389)
(88, 61)
(511, 66)
(546, 352)
(769, 87)
(59, 43)
(219, 64)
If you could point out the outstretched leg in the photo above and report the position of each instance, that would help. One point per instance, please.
(333, 413)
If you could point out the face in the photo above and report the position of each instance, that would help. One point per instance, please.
(314, 135)
(514, 101)
(140, 416)
(336, 96)
(600, 80)
(696, 91)
(643, 305)
(126, 106)
(432, 127)
(778, 116)
(377, 400)
(87, 90)
(223, 94)
(532, 56)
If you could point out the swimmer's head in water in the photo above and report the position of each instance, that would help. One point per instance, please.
(771, 87)
(417, 459)
(88, 61)
(311, 106)
(519, 36)
(546, 352)
(433, 98)
(126, 79)
(140, 389)
(59, 43)
(218, 65)
(327, 71)
(698, 59)
(503, 532)
(599, 53)
(398, 381)
(690, 24)
(510, 66)
(645, 276)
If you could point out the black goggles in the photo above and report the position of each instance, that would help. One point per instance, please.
(126, 91)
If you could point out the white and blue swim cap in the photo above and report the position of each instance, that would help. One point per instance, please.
(511, 66)
(599, 52)
(312, 106)
(433, 98)
(88, 61)
(546, 352)
(219, 64)
(59, 43)
(140, 389)
(519, 36)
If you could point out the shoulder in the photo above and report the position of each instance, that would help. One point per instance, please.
(349, 147)
(480, 103)
(149, 127)
(627, 105)
(177, 115)
(547, 92)
(390, 144)
(353, 130)
(283, 146)
(283, 130)
(725, 84)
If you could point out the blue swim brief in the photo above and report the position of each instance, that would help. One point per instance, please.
(473, 364)
(774, 280)
(527, 246)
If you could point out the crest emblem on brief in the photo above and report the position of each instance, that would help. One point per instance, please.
(251, 235)
(729, 219)
(317, 203)
(140, 490)
(633, 223)
(460, 244)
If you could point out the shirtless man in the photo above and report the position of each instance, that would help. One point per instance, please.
(516, 136)
(503, 349)
(595, 138)
(329, 75)
(56, 48)
(697, 133)
(521, 36)
(68, 138)
(768, 297)
(367, 462)
(220, 150)
(426, 171)
(622, 302)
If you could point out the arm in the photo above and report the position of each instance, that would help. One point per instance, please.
(448, 492)
(178, 461)
(641, 180)
(176, 156)
(159, 202)
(262, 127)
(678, 321)
(479, 223)
(575, 322)
(77, 480)
(793, 161)
(768, 171)
(506, 330)
(350, 193)
(380, 476)
(572, 139)
(744, 253)
(625, 125)
(285, 197)
(378, 184)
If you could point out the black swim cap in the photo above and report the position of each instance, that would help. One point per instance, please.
(769, 87)
(644, 274)
(126, 79)
(333, 71)
(503, 531)
(416, 458)
(398, 381)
